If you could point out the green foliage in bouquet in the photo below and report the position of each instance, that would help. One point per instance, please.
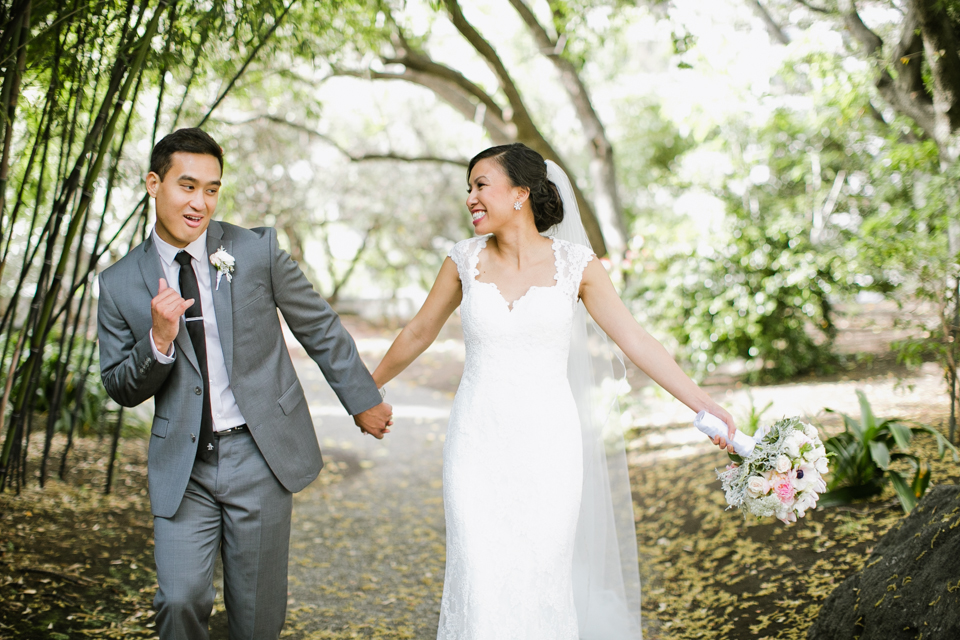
(863, 453)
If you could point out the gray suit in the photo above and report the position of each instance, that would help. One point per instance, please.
(266, 388)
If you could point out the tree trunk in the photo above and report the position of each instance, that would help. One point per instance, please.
(603, 170)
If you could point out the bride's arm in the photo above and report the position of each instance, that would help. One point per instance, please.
(444, 297)
(645, 351)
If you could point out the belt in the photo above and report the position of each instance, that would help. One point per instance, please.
(240, 428)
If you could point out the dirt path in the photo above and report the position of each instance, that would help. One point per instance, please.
(367, 549)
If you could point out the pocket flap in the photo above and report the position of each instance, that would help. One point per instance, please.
(160, 426)
(291, 398)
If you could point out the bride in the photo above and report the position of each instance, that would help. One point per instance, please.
(541, 542)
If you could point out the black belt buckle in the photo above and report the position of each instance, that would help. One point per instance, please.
(232, 430)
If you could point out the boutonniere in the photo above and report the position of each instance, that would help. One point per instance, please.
(224, 262)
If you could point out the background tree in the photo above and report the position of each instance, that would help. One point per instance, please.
(502, 109)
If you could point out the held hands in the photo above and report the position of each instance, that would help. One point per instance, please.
(375, 420)
(166, 310)
(725, 443)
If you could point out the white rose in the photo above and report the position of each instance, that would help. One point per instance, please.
(756, 486)
(793, 443)
(810, 431)
(783, 464)
(821, 465)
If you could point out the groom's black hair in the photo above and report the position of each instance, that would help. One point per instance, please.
(526, 168)
(190, 140)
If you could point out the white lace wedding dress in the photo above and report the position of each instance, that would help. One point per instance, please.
(513, 461)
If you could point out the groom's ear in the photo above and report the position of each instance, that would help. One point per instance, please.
(153, 183)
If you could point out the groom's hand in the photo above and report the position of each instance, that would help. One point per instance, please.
(166, 310)
(375, 420)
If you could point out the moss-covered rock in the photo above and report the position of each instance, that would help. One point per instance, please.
(910, 586)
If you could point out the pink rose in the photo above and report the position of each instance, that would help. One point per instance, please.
(783, 488)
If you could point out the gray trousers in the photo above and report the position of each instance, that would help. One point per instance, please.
(235, 506)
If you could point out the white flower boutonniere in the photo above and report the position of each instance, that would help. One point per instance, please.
(224, 262)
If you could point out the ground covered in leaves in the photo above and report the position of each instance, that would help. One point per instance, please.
(708, 573)
(75, 563)
(367, 545)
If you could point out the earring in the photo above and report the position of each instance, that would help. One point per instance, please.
(517, 205)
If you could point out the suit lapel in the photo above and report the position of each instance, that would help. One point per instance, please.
(152, 271)
(222, 296)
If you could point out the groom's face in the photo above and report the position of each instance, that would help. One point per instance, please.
(186, 197)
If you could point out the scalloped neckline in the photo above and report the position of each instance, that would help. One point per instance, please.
(474, 273)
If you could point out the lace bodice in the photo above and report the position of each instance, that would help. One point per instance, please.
(535, 331)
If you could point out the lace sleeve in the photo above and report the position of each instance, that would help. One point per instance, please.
(465, 254)
(459, 257)
(572, 259)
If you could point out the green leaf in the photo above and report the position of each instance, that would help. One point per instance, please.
(853, 426)
(921, 480)
(900, 432)
(907, 499)
(880, 454)
(867, 420)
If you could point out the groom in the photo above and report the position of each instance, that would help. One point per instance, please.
(189, 318)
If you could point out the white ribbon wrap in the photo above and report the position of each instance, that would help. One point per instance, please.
(712, 426)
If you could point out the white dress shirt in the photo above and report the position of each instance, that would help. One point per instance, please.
(223, 405)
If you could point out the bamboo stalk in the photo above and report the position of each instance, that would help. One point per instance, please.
(11, 98)
(103, 130)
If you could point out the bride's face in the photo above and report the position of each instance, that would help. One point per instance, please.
(491, 195)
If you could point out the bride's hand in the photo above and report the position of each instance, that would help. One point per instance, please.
(725, 443)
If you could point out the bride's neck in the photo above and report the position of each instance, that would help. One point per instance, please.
(518, 245)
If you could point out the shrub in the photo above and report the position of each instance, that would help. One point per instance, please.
(863, 453)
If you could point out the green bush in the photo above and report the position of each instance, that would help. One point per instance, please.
(94, 408)
(862, 455)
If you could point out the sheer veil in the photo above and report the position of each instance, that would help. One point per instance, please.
(606, 572)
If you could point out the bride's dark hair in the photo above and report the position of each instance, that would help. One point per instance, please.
(526, 168)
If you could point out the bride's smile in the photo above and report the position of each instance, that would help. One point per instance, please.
(491, 197)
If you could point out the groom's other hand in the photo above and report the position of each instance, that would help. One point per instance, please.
(166, 310)
(376, 420)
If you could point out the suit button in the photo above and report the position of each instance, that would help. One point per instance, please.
(198, 391)
(148, 361)
(193, 438)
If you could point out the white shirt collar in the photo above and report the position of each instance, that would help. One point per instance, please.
(168, 253)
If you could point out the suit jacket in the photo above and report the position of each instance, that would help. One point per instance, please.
(261, 373)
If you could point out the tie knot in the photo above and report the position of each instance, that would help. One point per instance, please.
(183, 258)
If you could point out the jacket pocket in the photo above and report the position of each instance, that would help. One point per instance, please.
(291, 398)
(160, 426)
(251, 297)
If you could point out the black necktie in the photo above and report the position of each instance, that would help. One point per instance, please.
(194, 320)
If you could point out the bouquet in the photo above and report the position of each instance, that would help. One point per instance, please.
(780, 472)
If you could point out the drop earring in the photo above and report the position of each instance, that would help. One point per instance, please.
(517, 205)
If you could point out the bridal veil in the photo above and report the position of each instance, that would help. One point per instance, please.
(606, 572)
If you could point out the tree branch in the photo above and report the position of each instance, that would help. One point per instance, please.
(940, 46)
(813, 8)
(772, 27)
(353, 157)
(603, 167)
(418, 62)
(520, 117)
(501, 132)
(902, 93)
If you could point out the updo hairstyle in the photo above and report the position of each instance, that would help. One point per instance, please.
(526, 168)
